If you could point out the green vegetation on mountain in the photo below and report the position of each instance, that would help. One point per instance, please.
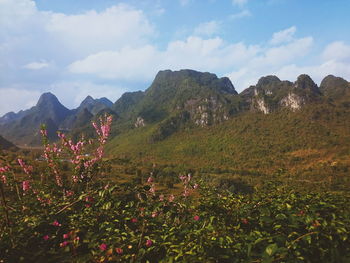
(271, 127)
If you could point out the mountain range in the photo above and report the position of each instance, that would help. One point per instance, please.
(22, 128)
(197, 118)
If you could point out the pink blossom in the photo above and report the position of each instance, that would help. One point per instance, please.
(152, 190)
(196, 218)
(64, 243)
(65, 236)
(195, 186)
(150, 180)
(4, 179)
(4, 169)
(134, 220)
(161, 198)
(61, 135)
(43, 132)
(46, 237)
(56, 223)
(186, 192)
(119, 250)
(69, 193)
(26, 168)
(103, 247)
(171, 198)
(25, 185)
(154, 214)
(149, 243)
(245, 221)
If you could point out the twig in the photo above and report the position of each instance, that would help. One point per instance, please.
(297, 239)
(67, 206)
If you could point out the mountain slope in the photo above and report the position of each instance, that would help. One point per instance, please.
(6, 145)
(177, 99)
(25, 130)
(272, 125)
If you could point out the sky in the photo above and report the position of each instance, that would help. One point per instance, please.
(104, 48)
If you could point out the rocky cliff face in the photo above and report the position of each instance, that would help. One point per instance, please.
(293, 101)
(271, 94)
(207, 111)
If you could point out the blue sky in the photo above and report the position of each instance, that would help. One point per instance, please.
(107, 47)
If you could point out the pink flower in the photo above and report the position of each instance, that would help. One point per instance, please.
(150, 180)
(196, 217)
(26, 168)
(65, 236)
(161, 198)
(4, 179)
(171, 198)
(154, 214)
(26, 185)
(119, 250)
(149, 243)
(56, 223)
(46, 237)
(103, 247)
(69, 193)
(134, 220)
(64, 243)
(43, 132)
(89, 199)
(152, 190)
(245, 221)
(195, 186)
(186, 192)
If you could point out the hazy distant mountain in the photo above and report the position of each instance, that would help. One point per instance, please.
(95, 105)
(23, 127)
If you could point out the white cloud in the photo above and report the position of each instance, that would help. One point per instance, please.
(36, 65)
(240, 2)
(125, 64)
(283, 36)
(268, 61)
(142, 63)
(207, 28)
(337, 50)
(92, 31)
(16, 99)
(242, 14)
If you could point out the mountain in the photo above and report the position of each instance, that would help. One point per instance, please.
(95, 105)
(335, 88)
(23, 127)
(83, 115)
(177, 99)
(271, 94)
(6, 145)
(198, 120)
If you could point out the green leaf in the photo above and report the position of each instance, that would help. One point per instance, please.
(271, 249)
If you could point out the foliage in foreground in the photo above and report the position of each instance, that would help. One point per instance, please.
(81, 219)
